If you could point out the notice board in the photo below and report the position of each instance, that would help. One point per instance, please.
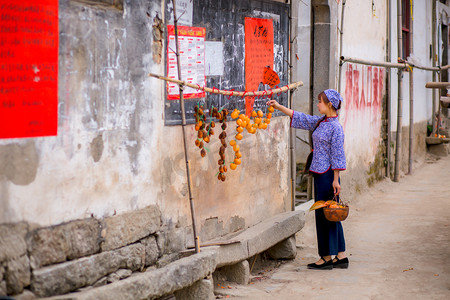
(224, 23)
(28, 68)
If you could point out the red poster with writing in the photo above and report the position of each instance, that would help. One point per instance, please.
(258, 55)
(28, 68)
(191, 45)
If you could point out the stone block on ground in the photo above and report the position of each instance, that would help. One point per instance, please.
(124, 273)
(3, 288)
(167, 259)
(83, 237)
(26, 295)
(200, 290)
(17, 275)
(69, 276)
(286, 249)
(238, 273)
(130, 227)
(175, 240)
(101, 282)
(120, 274)
(151, 250)
(56, 244)
(260, 237)
(175, 276)
(12, 241)
(438, 150)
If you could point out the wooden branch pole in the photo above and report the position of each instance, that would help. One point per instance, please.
(231, 93)
(183, 125)
(385, 64)
(437, 85)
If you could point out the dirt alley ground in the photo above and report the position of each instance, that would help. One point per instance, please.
(398, 243)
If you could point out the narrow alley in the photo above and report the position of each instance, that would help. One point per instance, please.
(398, 242)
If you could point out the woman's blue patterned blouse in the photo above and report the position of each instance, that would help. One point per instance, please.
(328, 141)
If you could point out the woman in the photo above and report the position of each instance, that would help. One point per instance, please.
(328, 160)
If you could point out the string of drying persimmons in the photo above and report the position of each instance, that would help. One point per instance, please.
(205, 130)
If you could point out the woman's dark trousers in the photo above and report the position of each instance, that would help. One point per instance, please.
(330, 235)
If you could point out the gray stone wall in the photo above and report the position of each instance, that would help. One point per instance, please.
(59, 259)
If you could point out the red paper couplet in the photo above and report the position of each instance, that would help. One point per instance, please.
(28, 68)
(258, 54)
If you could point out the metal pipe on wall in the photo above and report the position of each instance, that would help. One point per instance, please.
(411, 93)
(398, 142)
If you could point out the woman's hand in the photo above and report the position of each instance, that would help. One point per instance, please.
(336, 187)
(280, 107)
(273, 103)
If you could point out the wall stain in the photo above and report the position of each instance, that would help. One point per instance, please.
(97, 147)
(19, 163)
(134, 141)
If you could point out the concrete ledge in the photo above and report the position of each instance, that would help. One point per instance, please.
(261, 237)
(155, 283)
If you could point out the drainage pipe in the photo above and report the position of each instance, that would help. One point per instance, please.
(183, 125)
(398, 142)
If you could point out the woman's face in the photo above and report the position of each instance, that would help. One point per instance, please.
(322, 106)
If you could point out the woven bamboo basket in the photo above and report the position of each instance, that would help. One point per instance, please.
(336, 214)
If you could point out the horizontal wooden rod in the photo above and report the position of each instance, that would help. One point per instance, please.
(374, 63)
(231, 93)
(437, 85)
(406, 64)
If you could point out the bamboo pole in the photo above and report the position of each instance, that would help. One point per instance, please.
(292, 133)
(374, 63)
(434, 62)
(437, 85)
(231, 93)
(341, 33)
(388, 90)
(183, 125)
(411, 95)
(385, 64)
(398, 140)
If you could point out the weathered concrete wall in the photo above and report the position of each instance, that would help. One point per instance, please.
(362, 120)
(113, 153)
(422, 41)
(363, 87)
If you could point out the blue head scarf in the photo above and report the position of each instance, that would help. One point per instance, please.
(334, 97)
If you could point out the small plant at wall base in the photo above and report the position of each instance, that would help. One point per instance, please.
(204, 131)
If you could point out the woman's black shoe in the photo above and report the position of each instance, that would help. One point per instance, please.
(341, 263)
(327, 265)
